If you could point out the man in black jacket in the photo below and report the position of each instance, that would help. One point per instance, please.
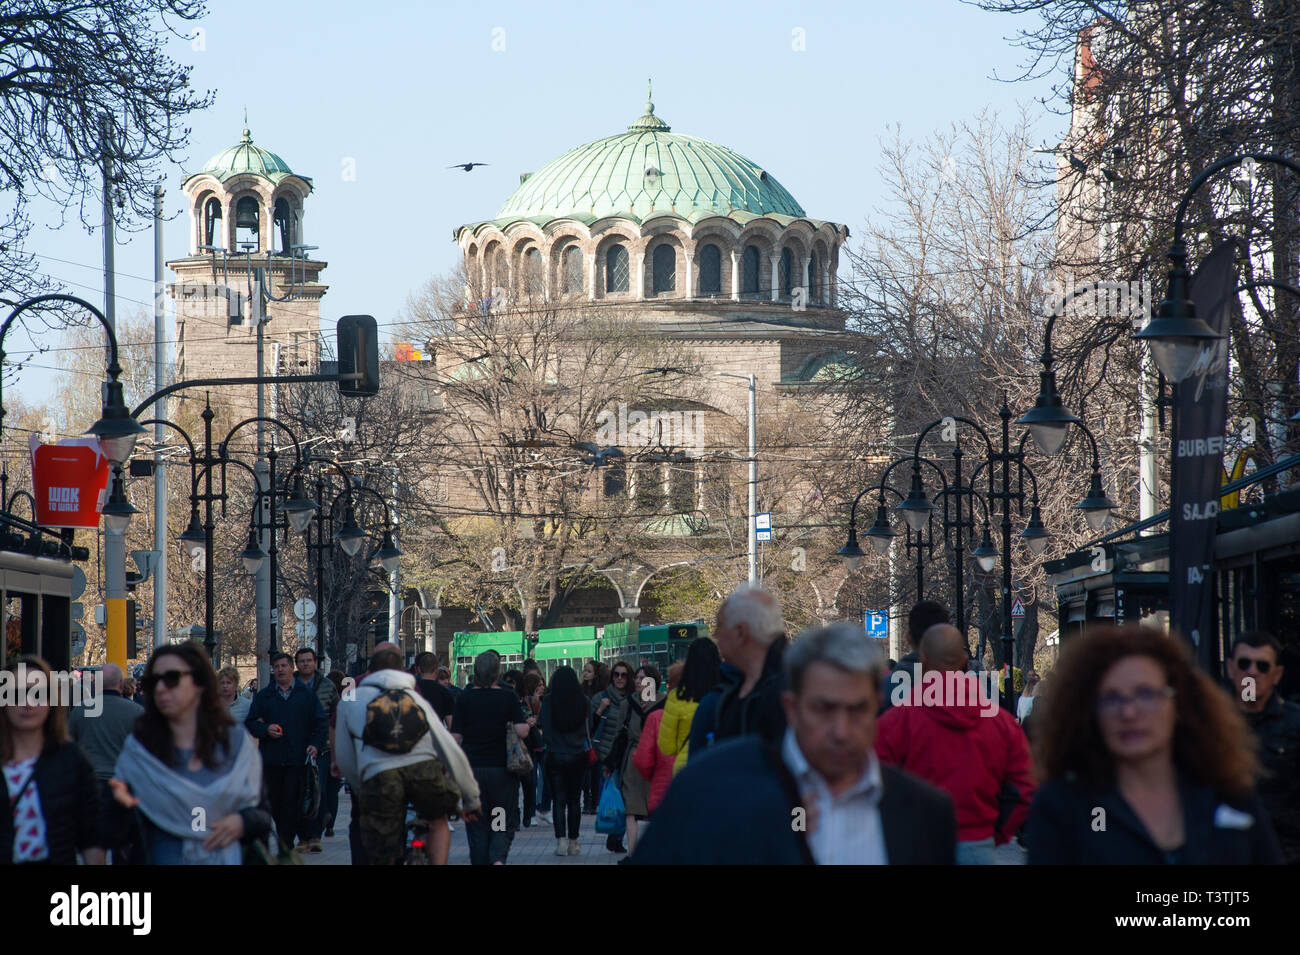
(1253, 674)
(920, 618)
(290, 724)
(750, 635)
(818, 795)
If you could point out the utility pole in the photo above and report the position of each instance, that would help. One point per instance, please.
(114, 542)
(394, 593)
(753, 472)
(1147, 440)
(159, 468)
(268, 626)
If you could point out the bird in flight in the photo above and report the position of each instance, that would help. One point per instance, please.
(467, 166)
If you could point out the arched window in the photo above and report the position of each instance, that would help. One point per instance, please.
(284, 225)
(248, 222)
(212, 232)
(665, 269)
(786, 273)
(813, 294)
(496, 271)
(572, 265)
(533, 271)
(750, 281)
(710, 270)
(649, 493)
(681, 486)
(615, 479)
(616, 269)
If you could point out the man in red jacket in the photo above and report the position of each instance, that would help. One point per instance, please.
(950, 732)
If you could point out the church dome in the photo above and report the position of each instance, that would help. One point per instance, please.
(649, 170)
(247, 158)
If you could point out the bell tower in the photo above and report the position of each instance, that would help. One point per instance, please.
(246, 228)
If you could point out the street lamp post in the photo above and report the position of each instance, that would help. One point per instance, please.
(198, 535)
(349, 536)
(753, 472)
(1177, 336)
(917, 512)
(117, 432)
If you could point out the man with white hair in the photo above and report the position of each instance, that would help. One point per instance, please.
(751, 637)
(101, 730)
(818, 794)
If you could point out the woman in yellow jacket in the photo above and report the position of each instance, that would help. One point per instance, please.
(699, 676)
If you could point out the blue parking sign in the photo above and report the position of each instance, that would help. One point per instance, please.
(876, 623)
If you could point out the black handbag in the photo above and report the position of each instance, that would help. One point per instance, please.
(311, 790)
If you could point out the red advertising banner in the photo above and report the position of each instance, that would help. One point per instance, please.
(68, 481)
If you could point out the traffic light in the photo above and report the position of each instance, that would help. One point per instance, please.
(358, 348)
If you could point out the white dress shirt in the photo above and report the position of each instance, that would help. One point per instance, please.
(848, 828)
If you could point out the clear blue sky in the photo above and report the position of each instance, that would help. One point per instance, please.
(404, 89)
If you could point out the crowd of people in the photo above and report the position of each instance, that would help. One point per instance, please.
(751, 749)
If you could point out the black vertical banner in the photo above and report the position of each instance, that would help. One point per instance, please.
(1200, 418)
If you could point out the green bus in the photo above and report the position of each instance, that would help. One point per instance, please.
(561, 646)
(466, 646)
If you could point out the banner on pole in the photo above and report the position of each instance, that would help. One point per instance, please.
(1199, 421)
(68, 481)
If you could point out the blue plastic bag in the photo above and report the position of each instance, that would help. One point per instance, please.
(610, 811)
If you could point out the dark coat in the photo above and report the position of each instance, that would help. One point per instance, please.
(706, 713)
(302, 718)
(69, 794)
(758, 712)
(904, 665)
(733, 806)
(1066, 828)
(1278, 728)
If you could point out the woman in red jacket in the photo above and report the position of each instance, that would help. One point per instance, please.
(651, 762)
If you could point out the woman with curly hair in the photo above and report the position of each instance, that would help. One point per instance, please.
(1144, 761)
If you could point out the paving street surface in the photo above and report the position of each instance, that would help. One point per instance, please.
(532, 846)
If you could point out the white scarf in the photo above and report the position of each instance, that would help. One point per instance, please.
(179, 806)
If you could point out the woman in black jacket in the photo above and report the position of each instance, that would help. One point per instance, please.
(563, 718)
(50, 783)
(1145, 761)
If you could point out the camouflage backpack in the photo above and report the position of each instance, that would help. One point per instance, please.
(395, 722)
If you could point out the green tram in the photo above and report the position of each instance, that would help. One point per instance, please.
(662, 645)
(561, 646)
(466, 646)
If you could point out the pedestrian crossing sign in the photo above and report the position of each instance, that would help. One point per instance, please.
(1017, 608)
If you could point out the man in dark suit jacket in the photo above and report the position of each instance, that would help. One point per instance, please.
(820, 795)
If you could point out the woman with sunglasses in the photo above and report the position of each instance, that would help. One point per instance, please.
(194, 777)
(1144, 760)
(53, 797)
(611, 709)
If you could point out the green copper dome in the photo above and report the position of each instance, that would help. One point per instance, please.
(244, 157)
(649, 170)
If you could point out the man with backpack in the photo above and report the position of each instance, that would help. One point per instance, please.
(392, 748)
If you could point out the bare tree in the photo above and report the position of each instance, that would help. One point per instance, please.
(949, 297)
(1155, 93)
(82, 83)
(538, 495)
